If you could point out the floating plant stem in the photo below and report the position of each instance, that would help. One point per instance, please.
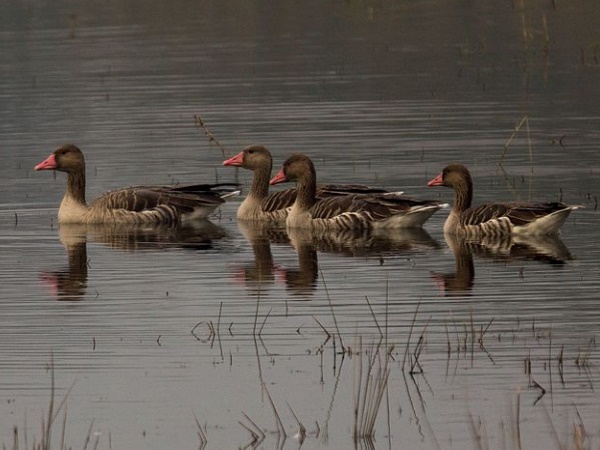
(211, 137)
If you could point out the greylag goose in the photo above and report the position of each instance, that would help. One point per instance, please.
(348, 211)
(145, 205)
(496, 219)
(274, 207)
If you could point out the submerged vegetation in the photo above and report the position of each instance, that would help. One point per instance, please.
(393, 369)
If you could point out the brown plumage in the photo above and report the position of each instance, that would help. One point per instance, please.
(260, 204)
(496, 219)
(160, 205)
(355, 211)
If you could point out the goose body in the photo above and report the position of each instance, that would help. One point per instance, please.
(496, 219)
(353, 211)
(149, 205)
(274, 207)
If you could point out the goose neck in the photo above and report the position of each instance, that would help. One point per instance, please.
(260, 182)
(463, 195)
(306, 191)
(76, 185)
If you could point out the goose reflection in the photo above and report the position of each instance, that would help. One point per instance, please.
(261, 272)
(71, 283)
(348, 243)
(197, 235)
(302, 279)
(365, 243)
(548, 249)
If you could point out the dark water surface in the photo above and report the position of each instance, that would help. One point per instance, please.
(149, 327)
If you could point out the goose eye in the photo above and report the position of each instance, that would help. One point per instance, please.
(250, 151)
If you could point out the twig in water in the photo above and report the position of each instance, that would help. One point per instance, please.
(218, 332)
(369, 395)
(542, 391)
(278, 422)
(524, 120)
(301, 427)
(518, 427)
(418, 350)
(257, 435)
(211, 331)
(374, 316)
(88, 438)
(332, 312)
(412, 325)
(201, 434)
(264, 322)
(211, 137)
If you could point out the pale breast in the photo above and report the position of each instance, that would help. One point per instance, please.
(71, 211)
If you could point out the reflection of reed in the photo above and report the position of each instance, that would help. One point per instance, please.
(548, 249)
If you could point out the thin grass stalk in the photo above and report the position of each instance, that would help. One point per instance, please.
(219, 331)
(88, 438)
(412, 325)
(374, 316)
(47, 434)
(518, 423)
(516, 130)
(278, 421)
(64, 428)
(331, 308)
(357, 388)
(211, 137)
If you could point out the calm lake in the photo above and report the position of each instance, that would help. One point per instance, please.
(156, 336)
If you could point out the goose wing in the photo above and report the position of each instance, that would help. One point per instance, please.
(334, 190)
(278, 200)
(285, 198)
(222, 190)
(373, 206)
(144, 198)
(382, 206)
(518, 214)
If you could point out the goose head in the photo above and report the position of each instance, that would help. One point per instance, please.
(67, 158)
(457, 177)
(296, 168)
(453, 176)
(253, 157)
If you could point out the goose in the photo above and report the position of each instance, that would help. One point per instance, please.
(357, 211)
(145, 205)
(273, 207)
(496, 219)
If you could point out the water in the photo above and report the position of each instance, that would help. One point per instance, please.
(146, 329)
